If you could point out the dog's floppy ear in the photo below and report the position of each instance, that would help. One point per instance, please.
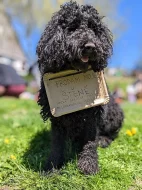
(43, 102)
(50, 49)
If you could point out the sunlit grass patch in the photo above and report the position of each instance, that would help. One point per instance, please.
(25, 144)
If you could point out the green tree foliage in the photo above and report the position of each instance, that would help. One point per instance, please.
(38, 12)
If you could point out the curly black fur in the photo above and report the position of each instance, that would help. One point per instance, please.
(73, 34)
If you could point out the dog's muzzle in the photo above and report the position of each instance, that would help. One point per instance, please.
(87, 51)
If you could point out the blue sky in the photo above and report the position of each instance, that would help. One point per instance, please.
(127, 48)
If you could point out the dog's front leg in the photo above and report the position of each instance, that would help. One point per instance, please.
(56, 157)
(88, 160)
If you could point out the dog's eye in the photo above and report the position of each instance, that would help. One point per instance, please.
(89, 24)
(71, 29)
(74, 25)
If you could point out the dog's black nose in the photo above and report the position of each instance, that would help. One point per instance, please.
(89, 47)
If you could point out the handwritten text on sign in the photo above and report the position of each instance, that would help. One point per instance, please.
(71, 93)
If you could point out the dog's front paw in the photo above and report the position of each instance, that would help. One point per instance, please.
(53, 164)
(49, 167)
(104, 141)
(88, 165)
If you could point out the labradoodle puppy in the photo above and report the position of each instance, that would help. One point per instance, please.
(76, 38)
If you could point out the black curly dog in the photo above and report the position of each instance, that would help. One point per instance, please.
(76, 38)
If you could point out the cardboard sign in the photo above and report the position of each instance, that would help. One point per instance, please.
(71, 91)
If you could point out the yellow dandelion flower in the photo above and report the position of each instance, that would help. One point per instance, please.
(6, 141)
(12, 157)
(129, 133)
(133, 131)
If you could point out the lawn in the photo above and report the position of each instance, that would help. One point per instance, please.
(119, 81)
(24, 144)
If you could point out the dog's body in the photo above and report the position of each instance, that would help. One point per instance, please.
(76, 38)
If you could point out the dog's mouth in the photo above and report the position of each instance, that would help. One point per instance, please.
(88, 52)
(85, 59)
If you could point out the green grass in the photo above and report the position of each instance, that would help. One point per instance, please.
(25, 136)
(120, 81)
